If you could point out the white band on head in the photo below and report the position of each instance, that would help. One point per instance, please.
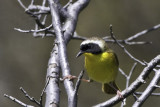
(99, 42)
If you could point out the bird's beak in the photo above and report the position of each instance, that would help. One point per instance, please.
(79, 54)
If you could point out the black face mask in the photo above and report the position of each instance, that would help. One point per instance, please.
(91, 48)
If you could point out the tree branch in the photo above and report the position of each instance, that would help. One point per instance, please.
(62, 40)
(17, 101)
(78, 83)
(29, 97)
(153, 94)
(128, 81)
(125, 50)
(61, 50)
(143, 33)
(52, 89)
(40, 30)
(71, 21)
(148, 91)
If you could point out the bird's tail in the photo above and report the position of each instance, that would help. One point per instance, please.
(110, 88)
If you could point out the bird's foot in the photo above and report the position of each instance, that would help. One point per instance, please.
(119, 94)
(69, 77)
(72, 77)
(88, 81)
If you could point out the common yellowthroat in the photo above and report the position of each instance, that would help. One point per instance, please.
(101, 63)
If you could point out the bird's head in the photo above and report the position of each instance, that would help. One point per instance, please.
(92, 45)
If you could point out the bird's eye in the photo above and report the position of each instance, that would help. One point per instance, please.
(88, 46)
(85, 47)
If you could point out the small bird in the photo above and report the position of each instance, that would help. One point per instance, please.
(101, 63)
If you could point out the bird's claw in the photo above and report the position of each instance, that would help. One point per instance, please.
(119, 94)
(69, 77)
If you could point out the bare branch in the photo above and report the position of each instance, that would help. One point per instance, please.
(73, 11)
(157, 86)
(52, 84)
(42, 35)
(17, 101)
(153, 94)
(22, 5)
(108, 39)
(40, 30)
(36, 32)
(123, 73)
(43, 91)
(76, 36)
(127, 82)
(126, 42)
(39, 8)
(78, 82)
(70, 2)
(143, 33)
(32, 2)
(137, 43)
(62, 40)
(125, 50)
(29, 97)
(148, 91)
(135, 96)
(62, 52)
(44, 19)
(44, 2)
(130, 73)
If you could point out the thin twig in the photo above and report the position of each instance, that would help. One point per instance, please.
(75, 93)
(44, 19)
(43, 91)
(142, 33)
(36, 18)
(42, 35)
(22, 5)
(29, 31)
(127, 42)
(131, 38)
(123, 73)
(153, 94)
(17, 101)
(29, 97)
(109, 40)
(69, 2)
(157, 86)
(130, 73)
(38, 7)
(76, 36)
(135, 96)
(127, 82)
(125, 50)
(78, 82)
(43, 22)
(137, 43)
(32, 2)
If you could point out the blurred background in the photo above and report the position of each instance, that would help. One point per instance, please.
(24, 59)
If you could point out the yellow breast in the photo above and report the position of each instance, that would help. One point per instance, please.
(101, 67)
